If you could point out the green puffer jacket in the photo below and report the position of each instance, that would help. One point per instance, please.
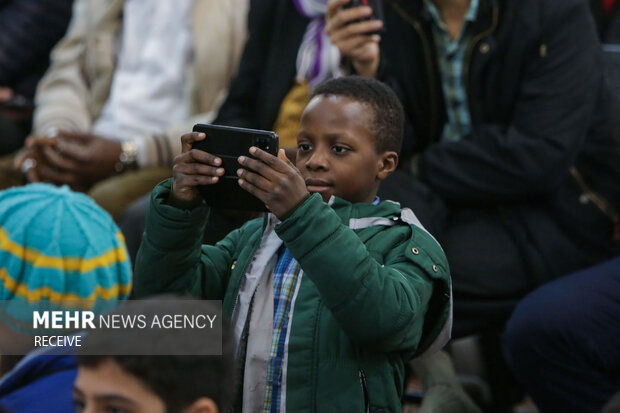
(374, 293)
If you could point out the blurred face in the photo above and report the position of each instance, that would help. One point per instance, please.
(337, 152)
(108, 389)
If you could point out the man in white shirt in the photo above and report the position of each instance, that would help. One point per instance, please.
(127, 80)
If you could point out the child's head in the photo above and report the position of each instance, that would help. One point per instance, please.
(147, 384)
(180, 380)
(349, 138)
(58, 248)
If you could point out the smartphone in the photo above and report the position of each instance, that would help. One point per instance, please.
(229, 143)
(377, 11)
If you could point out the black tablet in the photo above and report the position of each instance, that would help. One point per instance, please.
(229, 143)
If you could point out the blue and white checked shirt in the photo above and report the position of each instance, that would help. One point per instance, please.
(285, 279)
(451, 55)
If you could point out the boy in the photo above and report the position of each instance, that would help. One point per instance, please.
(167, 383)
(332, 292)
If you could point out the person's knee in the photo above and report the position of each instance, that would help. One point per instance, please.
(522, 331)
(538, 327)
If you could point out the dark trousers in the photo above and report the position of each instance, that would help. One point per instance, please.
(12, 134)
(563, 341)
(497, 254)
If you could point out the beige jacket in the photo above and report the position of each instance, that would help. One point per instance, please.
(74, 90)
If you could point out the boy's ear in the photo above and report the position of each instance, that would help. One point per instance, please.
(202, 405)
(388, 161)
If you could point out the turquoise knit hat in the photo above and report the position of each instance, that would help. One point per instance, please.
(58, 246)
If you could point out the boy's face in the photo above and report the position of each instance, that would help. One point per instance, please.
(107, 388)
(337, 152)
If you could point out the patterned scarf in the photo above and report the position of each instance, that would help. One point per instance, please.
(318, 59)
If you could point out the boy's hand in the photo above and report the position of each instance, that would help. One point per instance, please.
(193, 168)
(352, 36)
(273, 180)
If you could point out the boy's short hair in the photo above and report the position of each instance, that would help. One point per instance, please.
(389, 117)
(179, 380)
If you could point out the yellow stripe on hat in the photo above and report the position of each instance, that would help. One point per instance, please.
(21, 291)
(38, 259)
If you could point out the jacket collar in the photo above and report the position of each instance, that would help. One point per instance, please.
(348, 211)
(415, 9)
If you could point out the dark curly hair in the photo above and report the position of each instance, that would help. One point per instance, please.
(388, 121)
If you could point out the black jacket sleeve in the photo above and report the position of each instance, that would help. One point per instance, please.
(239, 107)
(29, 30)
(550, 122)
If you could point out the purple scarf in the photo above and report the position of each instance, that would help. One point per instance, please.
(317, 59)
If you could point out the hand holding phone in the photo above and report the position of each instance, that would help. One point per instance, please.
(377, 12)
(353, 26)
(193, 169)
(224, 145)
(274, 180)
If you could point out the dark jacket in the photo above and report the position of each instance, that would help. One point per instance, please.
(268, 65)
(30, 28)
(540, 113)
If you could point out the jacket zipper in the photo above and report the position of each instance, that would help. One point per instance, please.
(601, 203)
(232, 312)
(365, 390)
(429, 67)
(470, 50)
(238, 389)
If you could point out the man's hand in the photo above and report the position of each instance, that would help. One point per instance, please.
(353, 39)
(81, 158)
(75, 159)
(193, 168)
(30, 158)
(273, 180)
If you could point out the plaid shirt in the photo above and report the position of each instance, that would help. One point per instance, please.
(285, 278)
(451, 56)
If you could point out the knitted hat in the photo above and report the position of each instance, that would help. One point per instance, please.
(57, 246)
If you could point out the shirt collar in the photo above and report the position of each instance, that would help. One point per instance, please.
(432, 13)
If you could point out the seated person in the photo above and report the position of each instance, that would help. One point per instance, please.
(30, 28)
(124, 81)
(333, 291)
(55, 245)
(165, 383)
(562, 341)
(509, 124)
